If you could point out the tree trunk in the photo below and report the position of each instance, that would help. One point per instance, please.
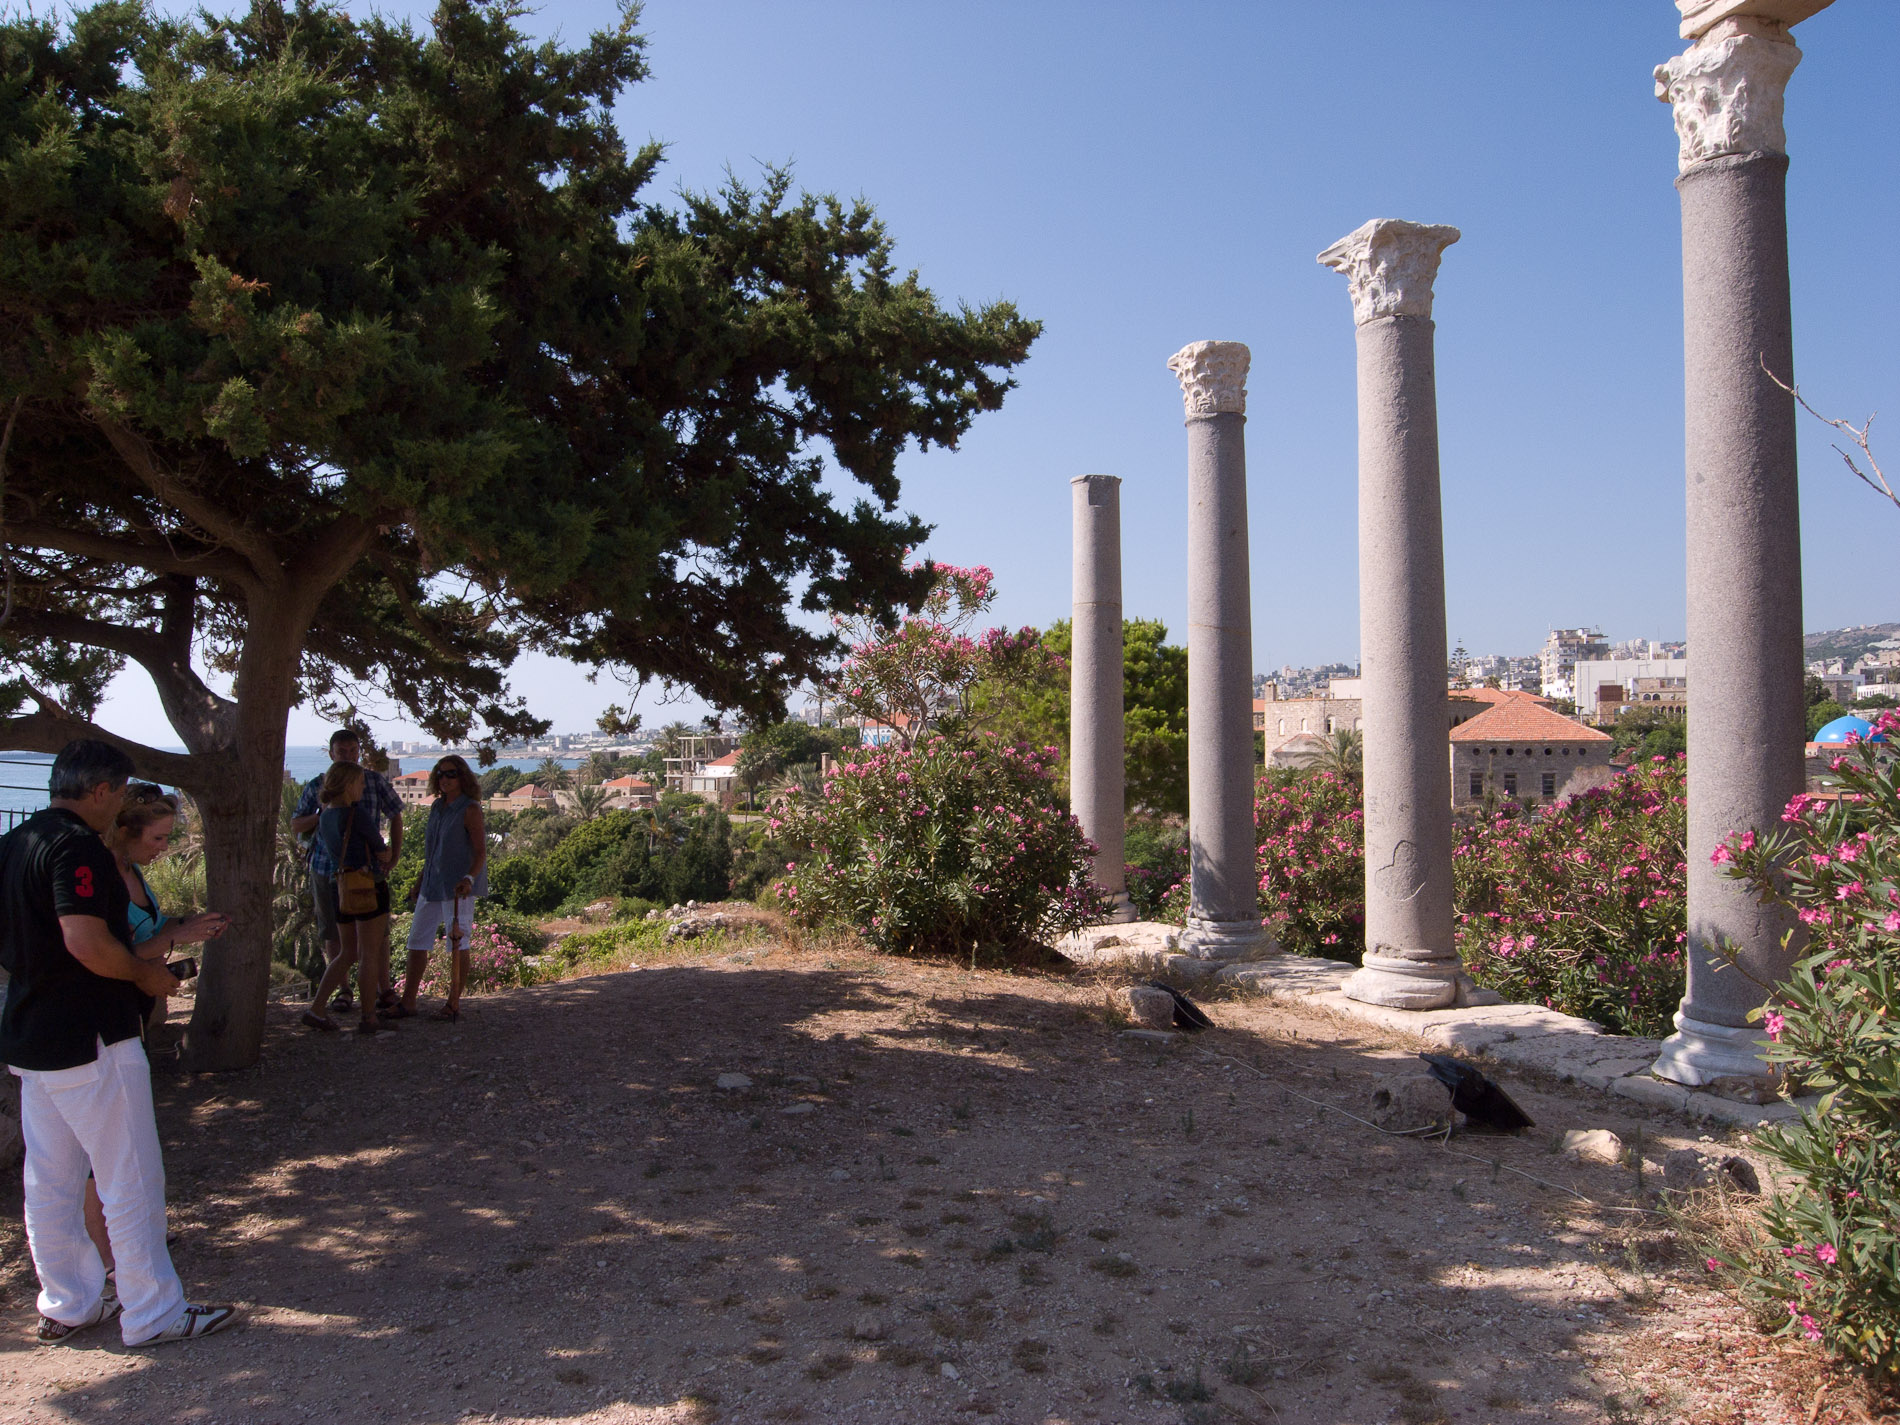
(240, 827)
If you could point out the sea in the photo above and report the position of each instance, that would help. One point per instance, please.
(23, 775)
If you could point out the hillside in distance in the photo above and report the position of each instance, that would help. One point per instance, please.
(1848, 643)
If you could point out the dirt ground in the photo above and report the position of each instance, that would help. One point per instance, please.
(945, 1196)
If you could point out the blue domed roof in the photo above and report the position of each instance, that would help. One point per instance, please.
(1843, 728)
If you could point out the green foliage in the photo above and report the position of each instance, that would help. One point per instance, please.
(1821, 714)
(1828, 1264)
(948, 847)
(1155, 856)
(500, 781)
(1154, 713)
(1874, 702)
(519, 928)
(1581, 906)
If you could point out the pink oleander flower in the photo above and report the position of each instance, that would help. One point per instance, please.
(1721, 856)
(1826, 1255)
(1774, 1024)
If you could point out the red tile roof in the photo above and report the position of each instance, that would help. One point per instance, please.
(631, 783)
(731, 759)
(1522, 718)
(1497, 695)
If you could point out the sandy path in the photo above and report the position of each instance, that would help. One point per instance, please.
(946, 1196)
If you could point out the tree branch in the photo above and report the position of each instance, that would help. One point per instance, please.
(189, 704)
(49, 730)
(251, 547)
(1858, 434)
(154, 555)
(328, 557)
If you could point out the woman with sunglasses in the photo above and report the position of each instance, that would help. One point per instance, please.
(454, 876)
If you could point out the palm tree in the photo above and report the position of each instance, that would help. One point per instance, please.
(589, 801)
(551, 774)
(1343, 753)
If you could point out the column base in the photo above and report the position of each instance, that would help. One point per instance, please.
(1222, 939)
(1121, 910)
(1400, 983)
(1700, 1053)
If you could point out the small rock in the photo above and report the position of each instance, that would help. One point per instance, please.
(1109, 942)
(316, 1113)
(867, 1328)
(1593, 1145)
(1746, 1088)
(733, 1081)
(1684, 1171)
(1410, 1102)
(1152, 1036)
(839, 1175)
(949, 1371)
(1148, 1007)
(799, 1108)
(1741, 1175)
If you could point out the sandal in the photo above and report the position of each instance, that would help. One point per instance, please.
(448, 1014)
(313, 1020)
(399, 1011)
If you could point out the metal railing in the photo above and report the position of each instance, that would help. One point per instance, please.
(11, 817)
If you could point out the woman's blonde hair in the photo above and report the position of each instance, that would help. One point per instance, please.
(145, 803)
(470, 787)
(335, 791)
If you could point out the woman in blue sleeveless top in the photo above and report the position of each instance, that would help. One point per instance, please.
(454, 877)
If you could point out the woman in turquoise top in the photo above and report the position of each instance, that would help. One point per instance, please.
(454, 877)
(139, 837)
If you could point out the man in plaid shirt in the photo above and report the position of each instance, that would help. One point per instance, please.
(379, 802)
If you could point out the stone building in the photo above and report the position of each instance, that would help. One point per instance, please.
(1521, 749)
(1292, 726)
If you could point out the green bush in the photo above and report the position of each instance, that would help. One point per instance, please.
(1581, 906)
(519, 928)
(950, 846)
(1154, 857)
(1828, 1266)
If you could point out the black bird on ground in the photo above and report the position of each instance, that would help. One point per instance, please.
(1475, 1096)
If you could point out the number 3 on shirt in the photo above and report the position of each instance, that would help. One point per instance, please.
(82, 881)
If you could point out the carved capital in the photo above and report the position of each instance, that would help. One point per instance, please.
(1726, 92)
(1213, 376)
(1389, 266)
(1701, 16)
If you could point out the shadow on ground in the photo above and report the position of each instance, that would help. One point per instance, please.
(940, 1193)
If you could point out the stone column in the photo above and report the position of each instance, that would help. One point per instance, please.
(1746, 720)
(1411, 961)
(1224, 914)
(1095, 683)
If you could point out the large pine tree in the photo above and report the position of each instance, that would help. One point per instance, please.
(339, 356)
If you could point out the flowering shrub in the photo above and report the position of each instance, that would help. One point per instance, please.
(911, 676)
(1311, 827)
(1828, 1263)
(943, 847)
(494, 963)
(1581, 907)
(1311, 860)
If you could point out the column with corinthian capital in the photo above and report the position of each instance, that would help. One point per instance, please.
(1410, 961)
(1746, 719)
(1096, 773)
(1223, 920)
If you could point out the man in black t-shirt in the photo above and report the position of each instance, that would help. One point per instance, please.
(70, 1029)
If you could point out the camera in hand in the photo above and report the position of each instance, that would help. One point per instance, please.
(185, 969)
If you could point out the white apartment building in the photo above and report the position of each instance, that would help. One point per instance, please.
(1562, 651)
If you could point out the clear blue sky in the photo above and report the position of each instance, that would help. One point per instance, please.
(1142, 176)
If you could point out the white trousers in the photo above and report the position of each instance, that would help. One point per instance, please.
(430, 914)
(98, 1115)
